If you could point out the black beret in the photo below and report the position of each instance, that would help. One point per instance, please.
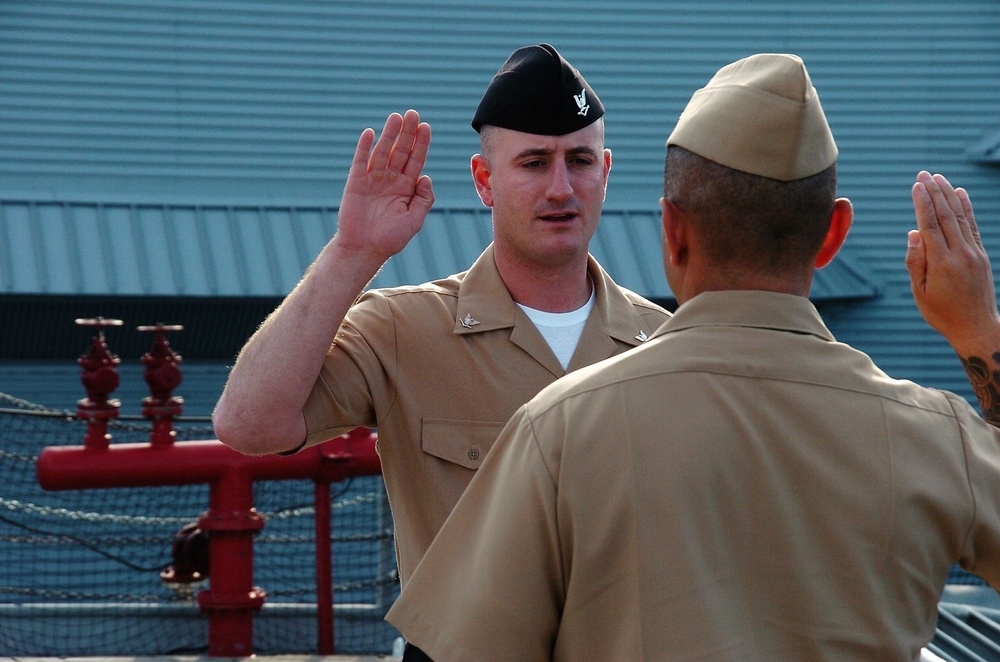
(538, 91)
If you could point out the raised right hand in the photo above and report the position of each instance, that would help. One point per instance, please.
(950, 273)
(386, 198)
(952, 283)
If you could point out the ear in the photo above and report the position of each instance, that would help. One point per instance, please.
(840, 223)
(675, 234)
(607, 171)
(481, 178)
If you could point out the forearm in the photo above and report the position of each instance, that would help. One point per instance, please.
(384, 205)
(985, 380)
(260, 410)
(981, 361)
(952, 283)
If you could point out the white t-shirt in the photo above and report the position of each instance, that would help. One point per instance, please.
(561, 330)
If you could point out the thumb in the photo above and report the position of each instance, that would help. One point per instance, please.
(916, 260)
(423, 196)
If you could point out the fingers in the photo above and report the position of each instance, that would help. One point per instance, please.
(916, 262)
(401, 151)
(944, 214)
(923, 207)
(402, 146)
(970, 216)
(359, 164)
(956, 210)
(379, 158)
(418, 155)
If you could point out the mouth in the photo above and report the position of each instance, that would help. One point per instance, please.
(560, 217)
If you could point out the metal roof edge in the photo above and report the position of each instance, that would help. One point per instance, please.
(220, 247)
(841, 280)
(24, 196)
(986, 150)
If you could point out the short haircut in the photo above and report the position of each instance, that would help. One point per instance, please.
(750, 223)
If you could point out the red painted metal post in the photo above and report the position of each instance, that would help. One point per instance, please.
(324, 569)
(231, 601)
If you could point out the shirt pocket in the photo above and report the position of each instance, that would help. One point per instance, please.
(464, 443)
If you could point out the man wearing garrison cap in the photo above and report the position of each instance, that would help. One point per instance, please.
(438, 368)
(741, 487)
(537, 91)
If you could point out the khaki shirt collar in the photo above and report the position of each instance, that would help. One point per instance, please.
(749, 308)
(484, 304)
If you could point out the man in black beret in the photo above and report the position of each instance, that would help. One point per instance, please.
(440, 367)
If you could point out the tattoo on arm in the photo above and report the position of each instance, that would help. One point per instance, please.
(986, 385)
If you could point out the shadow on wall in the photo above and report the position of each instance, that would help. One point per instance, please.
(43, 327)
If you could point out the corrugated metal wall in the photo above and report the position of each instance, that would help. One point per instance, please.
(259, 103)
(265, 99)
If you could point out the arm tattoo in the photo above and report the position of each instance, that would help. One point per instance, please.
(986, 385)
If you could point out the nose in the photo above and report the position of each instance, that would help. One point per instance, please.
(560, 186)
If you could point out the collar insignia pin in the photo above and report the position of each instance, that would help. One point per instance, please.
(468, 322)
(642, 337)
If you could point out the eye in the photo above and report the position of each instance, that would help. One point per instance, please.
(582, 160)
(533, 165)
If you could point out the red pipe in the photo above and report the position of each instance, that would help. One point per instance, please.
(324, 570)
(231, 600)
(196, 462)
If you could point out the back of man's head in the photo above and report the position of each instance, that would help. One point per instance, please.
(752, 163)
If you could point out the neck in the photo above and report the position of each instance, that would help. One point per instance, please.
(551, 288)
(716, 281)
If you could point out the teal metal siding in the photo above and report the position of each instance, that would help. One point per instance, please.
(231, 105)
(265, 99)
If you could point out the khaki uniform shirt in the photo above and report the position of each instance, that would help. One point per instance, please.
(742, 487)
(439, 368)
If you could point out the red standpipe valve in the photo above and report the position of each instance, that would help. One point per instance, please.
(100, 379)
(163, 375)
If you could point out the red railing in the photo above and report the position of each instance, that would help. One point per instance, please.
(231, 599)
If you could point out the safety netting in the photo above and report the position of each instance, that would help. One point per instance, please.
(81, 571)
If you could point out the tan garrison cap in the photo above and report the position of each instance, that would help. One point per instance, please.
(760, 115)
